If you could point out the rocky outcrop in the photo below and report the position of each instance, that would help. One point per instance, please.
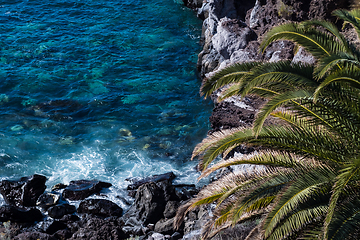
(23, 192)
(151, 216)
(232, 32)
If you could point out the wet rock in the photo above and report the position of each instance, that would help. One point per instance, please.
(94, 228)
(47, 200)
(59, 211)
(23, 192)
(81, 189)
(155, 178)
(100, 207)
(12, 213)
(34, 236)
(58, 186)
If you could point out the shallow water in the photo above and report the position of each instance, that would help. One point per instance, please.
(99, 89)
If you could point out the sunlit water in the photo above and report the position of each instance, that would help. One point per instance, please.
(99, 89)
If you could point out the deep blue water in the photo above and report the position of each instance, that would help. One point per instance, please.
(99, 89)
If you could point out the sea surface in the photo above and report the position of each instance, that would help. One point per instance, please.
(99, 89)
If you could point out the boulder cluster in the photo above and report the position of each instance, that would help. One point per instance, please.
(80, 211)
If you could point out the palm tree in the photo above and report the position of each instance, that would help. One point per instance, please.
(308, 185)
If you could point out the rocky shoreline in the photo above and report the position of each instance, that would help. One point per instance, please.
(231, 33)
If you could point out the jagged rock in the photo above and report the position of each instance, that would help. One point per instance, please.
(23, 192)
(100, 207)
(165, 226)
(12, 213)
(231, 36)
(148, 207)
(171, 208)
(95, 228)
(155, 178)
(34, 236)
(81, 189)
(47, 200)
(59, 211)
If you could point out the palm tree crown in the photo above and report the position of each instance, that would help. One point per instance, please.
(309, 185)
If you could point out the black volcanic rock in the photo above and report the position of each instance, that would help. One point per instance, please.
(59, 211)
(81, 189)
(100, 207)
(23, 192)
(15, 214)
(155, 178)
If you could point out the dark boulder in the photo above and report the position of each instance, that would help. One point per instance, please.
(100, 207)
(12, 213)
(59, 211)
(155, 178)
(50, 226)
(81, 189)
(23, 192)
(148, 207)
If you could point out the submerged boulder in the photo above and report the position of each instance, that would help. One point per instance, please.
(23, 192)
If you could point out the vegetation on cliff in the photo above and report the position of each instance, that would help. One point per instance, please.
(306, 185)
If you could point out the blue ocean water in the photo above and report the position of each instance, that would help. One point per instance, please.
(99, 89)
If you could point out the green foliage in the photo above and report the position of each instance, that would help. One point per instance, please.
(306, 181)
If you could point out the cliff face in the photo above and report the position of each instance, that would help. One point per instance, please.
(232, 31)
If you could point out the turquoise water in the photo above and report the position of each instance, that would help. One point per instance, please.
(99, 89)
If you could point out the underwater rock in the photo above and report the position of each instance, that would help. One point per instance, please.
(15, 214)
(81, 189)
(100, 207)
(23, 192)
